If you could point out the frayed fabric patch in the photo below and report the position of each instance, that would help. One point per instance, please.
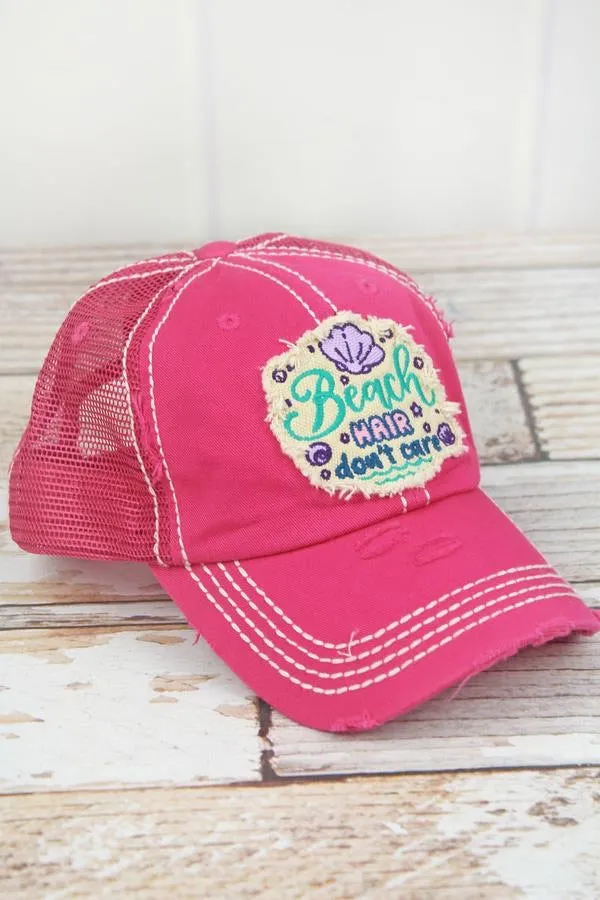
(359, 407)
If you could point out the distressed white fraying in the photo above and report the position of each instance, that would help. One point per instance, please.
(398, 276)
(269, 277)
(153, 402)
(290, 345)
(427, 496)
(382, 676)
(404, 503)
(397, 623)
(296, 274)
(344, 653)
(149, 485)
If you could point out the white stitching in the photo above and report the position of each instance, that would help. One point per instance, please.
(153, 404)
(236, 627)
(306, 281)
(132, 277)
(156, 546)
(392, 273)
(427, 496)
(175, 257)
(276, 281)
(391, 656)
(392, 672)
(398, 622)
(552, 581)
(269, 241)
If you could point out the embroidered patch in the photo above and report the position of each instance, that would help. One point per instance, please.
(358, 405)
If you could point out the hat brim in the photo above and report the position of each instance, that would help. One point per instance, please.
(347, 634)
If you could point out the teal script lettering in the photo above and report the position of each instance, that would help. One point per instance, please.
(317, 387)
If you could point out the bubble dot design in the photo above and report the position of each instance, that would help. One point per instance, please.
(445, 434)
(319, 453)
(325, 474)
(279, 375)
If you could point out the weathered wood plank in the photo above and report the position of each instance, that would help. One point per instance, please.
(504, 314)
(566, 404)
(504, 302)
(104, 707)
(494, 405)
(90, 615)
(491, 251)
(556, 505)
(461, 836)
(540, 708)
(496, 412)
(420, 254)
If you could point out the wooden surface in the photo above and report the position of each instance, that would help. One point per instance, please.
(132, 762)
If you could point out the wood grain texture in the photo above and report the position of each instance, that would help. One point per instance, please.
(539, 708)
(510, 296)
(510, 314)
(496, 412)
(461, 836)
(556, 505)
(566, 404)
(103, 707)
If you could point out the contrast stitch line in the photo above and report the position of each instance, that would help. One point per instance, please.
(275, 281)
(149, 485)
(377, 664)
(392, 273)
(153, 403)
(342, 660)
(134, 276)
(383, 676)
(180, 256)
(298, 275)
(544, 569)
(269, 241)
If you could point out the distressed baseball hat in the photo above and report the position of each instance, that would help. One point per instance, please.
(277, 428)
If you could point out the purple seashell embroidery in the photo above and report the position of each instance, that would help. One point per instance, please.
(319, 453)
(416, 410)
(445, 434)
(351, 349)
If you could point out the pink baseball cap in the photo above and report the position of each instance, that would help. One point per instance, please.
(278, 429)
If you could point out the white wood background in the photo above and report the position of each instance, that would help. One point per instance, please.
(134, 764)
(132, 120)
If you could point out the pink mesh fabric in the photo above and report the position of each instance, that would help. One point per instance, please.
(77, 487)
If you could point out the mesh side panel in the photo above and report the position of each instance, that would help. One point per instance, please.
(76, 485)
